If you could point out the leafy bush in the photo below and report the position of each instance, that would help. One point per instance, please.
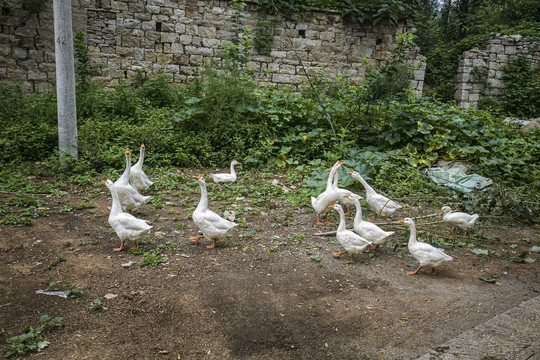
(28, 126)
(521, 95)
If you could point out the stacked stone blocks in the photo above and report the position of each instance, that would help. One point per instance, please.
(149, 37)
(480, 72)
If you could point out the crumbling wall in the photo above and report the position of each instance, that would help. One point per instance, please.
(126, 37)
(480, 72)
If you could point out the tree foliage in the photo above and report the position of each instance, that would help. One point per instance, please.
(446, 29)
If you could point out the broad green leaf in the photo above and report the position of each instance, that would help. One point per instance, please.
(480, 251)
(43, 344)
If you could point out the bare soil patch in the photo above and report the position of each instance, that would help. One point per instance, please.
(265, 293)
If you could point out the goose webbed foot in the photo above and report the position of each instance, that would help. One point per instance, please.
(338, 254)
(416, 271)
(195, 239)
(121, 247)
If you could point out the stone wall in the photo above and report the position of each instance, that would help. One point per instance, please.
(480, 72)
(126, 37)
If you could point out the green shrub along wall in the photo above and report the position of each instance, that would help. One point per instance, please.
(484, 74)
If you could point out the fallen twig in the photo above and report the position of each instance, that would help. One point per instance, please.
(432, 223)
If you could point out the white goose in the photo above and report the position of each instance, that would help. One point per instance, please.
(221, 178)
(460, 220)
(328, 197)
(137, 177)
(351, 241)
(213, 226)
(379, 203)
(342, 198)
(127, 226)
(426, 254)
(366, 229)
(130, 199)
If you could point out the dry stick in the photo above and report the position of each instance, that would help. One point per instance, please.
(433, 223)
(333, 232)
(22, 193)
(328, 233)
(399, 187)
(414, 218)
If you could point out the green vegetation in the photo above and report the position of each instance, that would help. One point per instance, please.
(380, 128)
(447, 29)
(96, 305)
(31, 338)
(70, 290)
(59, 259)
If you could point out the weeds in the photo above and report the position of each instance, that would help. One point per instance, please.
(96, 305)
(153, 258)
(59, 259)
(31, 338)
(70, 290)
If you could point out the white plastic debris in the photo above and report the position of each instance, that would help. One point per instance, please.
(229, 215)
(62, 294)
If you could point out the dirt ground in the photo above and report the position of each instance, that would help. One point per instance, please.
(272, 290)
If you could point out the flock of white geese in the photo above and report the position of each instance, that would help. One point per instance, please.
(127, 196)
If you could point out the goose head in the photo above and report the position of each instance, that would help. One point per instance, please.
(407, 221)
(354, 174)
(353, 196)
(445, 209)
(336, 207)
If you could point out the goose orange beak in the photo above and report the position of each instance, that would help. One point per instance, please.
(347, 196)
(341, 163)
(197, 177)
(328, 170)
(349, 172)
(402, 221)
(332, 206)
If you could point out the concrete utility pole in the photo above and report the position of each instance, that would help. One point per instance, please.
(65, 78)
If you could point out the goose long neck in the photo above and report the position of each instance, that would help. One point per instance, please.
(336, 180)
(330, 180)
(358, 215)
(412, 237)
(128, 165)
(368, 188)
(115, 207)
(141, 157)
(232, 169)
(203, 203)
(342, 226)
